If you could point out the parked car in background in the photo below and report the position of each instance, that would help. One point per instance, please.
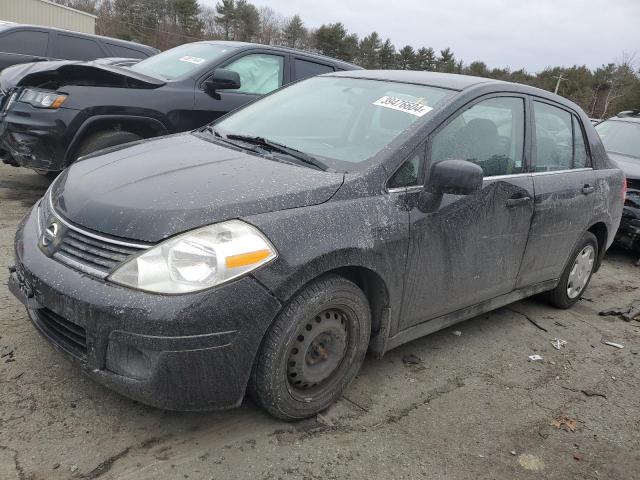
(621, 138)
(51, 117)
(32, 43)
(347, 213)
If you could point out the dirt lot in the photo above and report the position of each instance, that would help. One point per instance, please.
(447, 406)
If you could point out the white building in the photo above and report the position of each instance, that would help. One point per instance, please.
(49, 14)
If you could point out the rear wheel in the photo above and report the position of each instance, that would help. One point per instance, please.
(105, 139)
(313, 350)
(577, 273)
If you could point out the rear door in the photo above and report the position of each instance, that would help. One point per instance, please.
(564, 184)
(23, 46)
(261, 72)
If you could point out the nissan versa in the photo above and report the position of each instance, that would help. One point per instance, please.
(349, 212)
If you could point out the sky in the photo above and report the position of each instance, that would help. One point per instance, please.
(529, 34)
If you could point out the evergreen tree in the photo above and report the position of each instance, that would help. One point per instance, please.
(226, 10)
(406, 57)
(369, 51)
(387, 55)
(294, 32)
(446, 61)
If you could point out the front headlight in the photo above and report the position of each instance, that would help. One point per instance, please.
(196, 260)
(42, 98)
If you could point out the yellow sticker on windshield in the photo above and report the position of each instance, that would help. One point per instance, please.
(412, 108)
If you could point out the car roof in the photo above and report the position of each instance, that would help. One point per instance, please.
(115, 41)
(295, 51)
(453, 81)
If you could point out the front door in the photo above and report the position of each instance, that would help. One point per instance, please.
(260, 73)
(467, 249)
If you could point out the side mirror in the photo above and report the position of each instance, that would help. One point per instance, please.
(458, 177)
(222, 79)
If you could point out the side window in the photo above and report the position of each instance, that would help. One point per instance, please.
(259, 73)
(489, 134)
(120, 51)
(25, 42)
(407, 174)
(554, 138)
(69, 47)
(306, 69)
(580, 158)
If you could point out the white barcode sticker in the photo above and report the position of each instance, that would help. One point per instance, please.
(412, 108)
(188, 59)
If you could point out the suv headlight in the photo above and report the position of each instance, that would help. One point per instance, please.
(42, 98)
(198, 259)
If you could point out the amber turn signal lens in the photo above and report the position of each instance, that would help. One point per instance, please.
(244, 259)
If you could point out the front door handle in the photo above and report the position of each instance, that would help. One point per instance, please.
(588, 188)
(514, 202)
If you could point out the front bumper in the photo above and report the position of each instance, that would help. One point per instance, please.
(35, 138)
(182, 352)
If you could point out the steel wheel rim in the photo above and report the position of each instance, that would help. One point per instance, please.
(581, 271)
(318, 350)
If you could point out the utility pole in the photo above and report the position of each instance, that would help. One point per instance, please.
(560, 79)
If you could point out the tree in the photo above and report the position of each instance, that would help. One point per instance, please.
(246, 21)
(446, 61)
(425, 59)
(334, 41)
(406, 57)
(270, 26)
(478, 69)
(294, 32)
(226, 17)
(387, 55)
(369, 51)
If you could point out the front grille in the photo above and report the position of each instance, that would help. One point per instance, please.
(96, 254)
(83, 250)
(66, 334)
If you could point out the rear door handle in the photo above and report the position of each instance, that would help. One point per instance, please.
(588, 188)
(514, 202)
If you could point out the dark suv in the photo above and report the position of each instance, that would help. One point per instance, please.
(32, 43)
(621, 138)
(50, 118)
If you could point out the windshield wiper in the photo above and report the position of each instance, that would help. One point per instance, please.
(278, 147)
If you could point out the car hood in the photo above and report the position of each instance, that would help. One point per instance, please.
(58, 73)
(161, 187)
(629, 165)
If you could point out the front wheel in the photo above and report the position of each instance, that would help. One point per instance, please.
(313, 350)
(577, 273)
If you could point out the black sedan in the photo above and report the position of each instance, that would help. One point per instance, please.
(347, 213)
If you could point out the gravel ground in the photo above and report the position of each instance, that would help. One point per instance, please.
(453, 405)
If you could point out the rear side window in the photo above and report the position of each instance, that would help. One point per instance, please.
(559, 139)
(489, 134)
(259, 73)
(306, 69)
(69, 47)
(120, 51)
(25, 42)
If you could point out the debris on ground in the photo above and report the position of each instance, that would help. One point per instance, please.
(411, 359)
(513, 452)
(628, 313)
(535, 358)
(613, 344)
(530, 462)
(558, 343)
(577, 456)
(592, 393)
(565, 423)
(457, 333)
(324, 420)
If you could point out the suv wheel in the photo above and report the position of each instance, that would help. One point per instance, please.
(577, 273)
(313, 350)
(106, 139)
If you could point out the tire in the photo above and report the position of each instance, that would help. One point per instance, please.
(105, 139)
(47, 174)
(571, 287)
(313, 350)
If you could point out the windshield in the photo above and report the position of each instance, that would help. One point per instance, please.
(345, 120)
(619, 136)
(182, 60)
